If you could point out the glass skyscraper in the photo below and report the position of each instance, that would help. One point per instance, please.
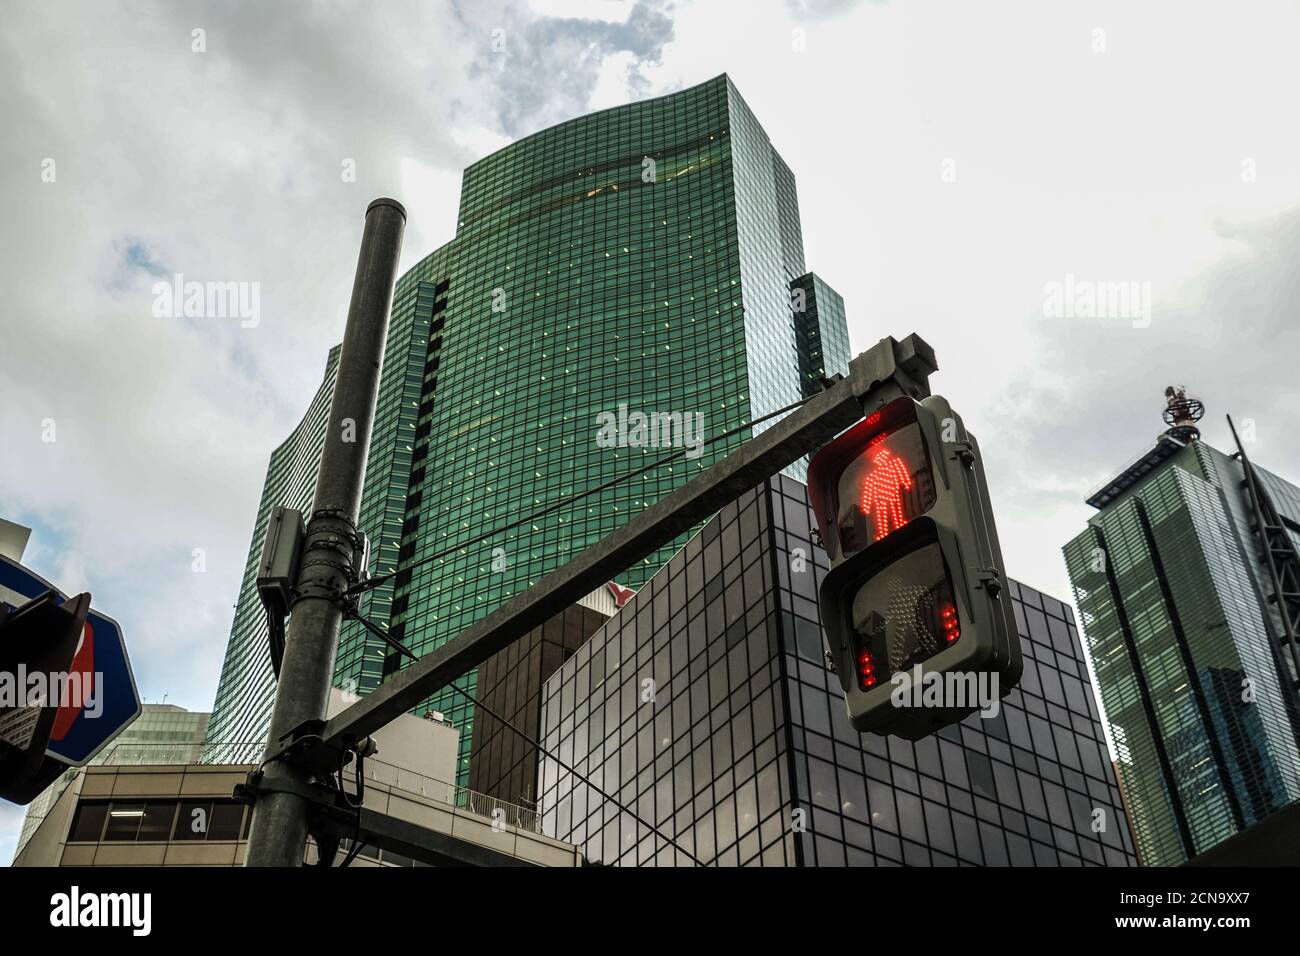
(639, 266)
(706, 707)
(1186, 647)
(821, 330)
(241, 714)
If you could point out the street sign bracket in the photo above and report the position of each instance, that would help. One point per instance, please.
(305, 747)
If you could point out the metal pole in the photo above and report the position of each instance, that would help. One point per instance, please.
(278, 836)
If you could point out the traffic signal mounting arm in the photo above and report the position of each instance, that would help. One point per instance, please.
(890, 367)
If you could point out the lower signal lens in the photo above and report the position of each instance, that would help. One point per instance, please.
(951, 630)
(903, 614)
(866, 670)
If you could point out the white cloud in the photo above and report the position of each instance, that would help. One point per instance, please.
(1123, 165)
(612, 82)
(222, 166)
(432, 199)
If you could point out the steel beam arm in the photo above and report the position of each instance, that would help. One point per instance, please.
(903, 365)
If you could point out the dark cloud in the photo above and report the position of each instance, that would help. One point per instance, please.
(1092, 401)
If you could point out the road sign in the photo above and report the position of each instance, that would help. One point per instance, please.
(37, 644)
(81, 732)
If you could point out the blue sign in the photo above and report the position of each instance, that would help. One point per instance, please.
(81, 731)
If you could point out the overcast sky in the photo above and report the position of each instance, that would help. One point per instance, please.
(954, 160)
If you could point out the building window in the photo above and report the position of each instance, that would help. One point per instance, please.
(210, 820)
(88, 825)
(157, 821)
(122, 821)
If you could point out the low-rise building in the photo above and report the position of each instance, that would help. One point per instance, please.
(187, 815)
(163, 734)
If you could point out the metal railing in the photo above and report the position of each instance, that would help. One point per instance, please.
(462, 798)
(403, 779)
(132, 753)
(510, 814)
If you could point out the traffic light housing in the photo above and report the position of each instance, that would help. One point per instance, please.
(40, 637)
(915, 604)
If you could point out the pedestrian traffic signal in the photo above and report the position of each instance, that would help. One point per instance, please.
(915, 606)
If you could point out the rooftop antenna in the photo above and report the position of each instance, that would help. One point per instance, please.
(1181, 414)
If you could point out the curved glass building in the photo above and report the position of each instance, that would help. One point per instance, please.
(241, 714)
(620, 284)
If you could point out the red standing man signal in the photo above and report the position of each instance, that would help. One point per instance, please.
(883, 487)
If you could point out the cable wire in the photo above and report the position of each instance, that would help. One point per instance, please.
(381, 579)
(351, 612)
(353, 852)
(357, 843)
(402, 648)
(537, 744)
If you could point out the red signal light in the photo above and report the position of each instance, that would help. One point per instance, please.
(866, 669)
(883, 484)
(951, 629)
(872, 480)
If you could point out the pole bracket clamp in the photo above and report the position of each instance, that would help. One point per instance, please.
(257, 784)
(304, 747)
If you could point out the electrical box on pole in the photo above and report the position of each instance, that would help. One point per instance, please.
(277, 573)
(915, 604)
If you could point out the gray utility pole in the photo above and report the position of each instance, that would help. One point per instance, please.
(279, 830)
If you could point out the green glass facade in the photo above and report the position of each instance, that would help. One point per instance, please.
(640, 257)
(821, 330)
(636, 261)
(1186, 652)
(246, 691)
